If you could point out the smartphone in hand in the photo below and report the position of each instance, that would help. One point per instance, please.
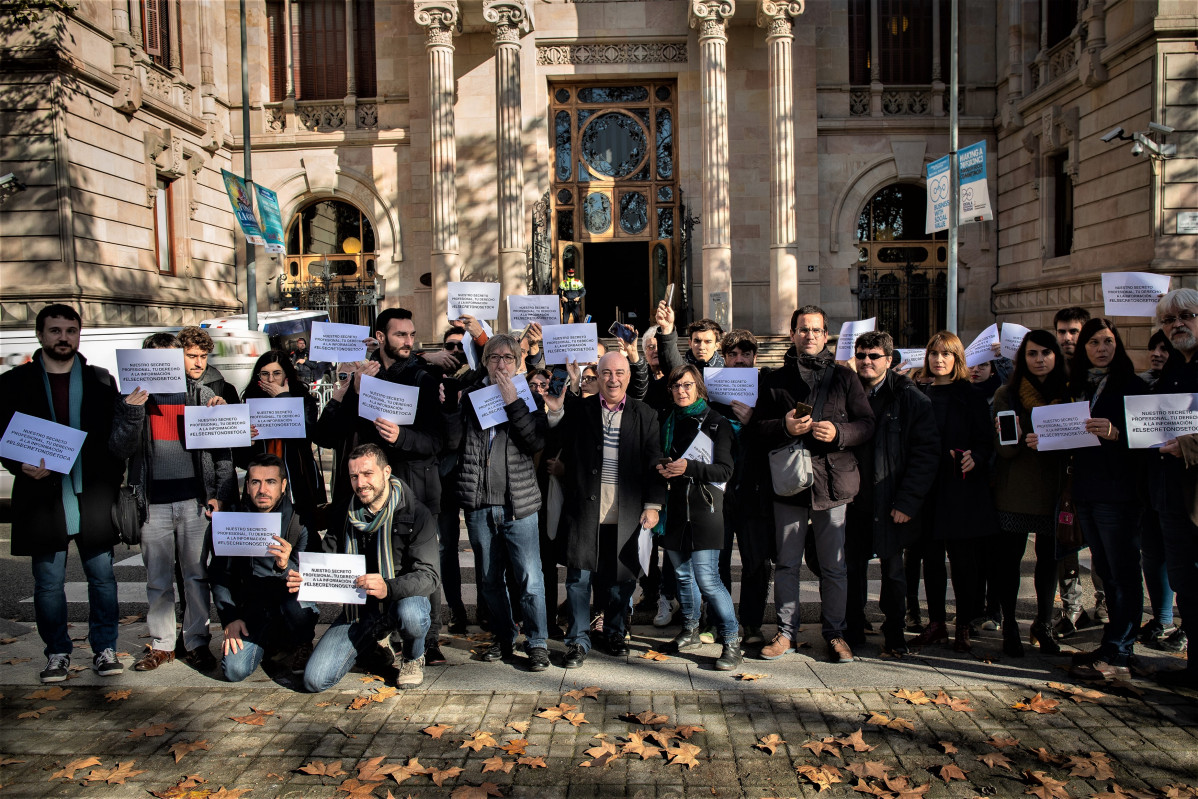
(802, 409)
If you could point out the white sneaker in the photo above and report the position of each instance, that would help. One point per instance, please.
(666, 608)
(411, 673)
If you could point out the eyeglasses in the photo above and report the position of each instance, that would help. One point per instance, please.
(589, 378)
(265, 375)
(538, 385)
(509, 358)
(810, 331)
(454, 345)
(873, 356)
(1184, 316)
(682, 387)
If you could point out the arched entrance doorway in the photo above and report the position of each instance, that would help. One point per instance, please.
(902, 271)
(615, 195)
(330, 262)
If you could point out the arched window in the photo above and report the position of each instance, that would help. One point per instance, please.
(330, 239)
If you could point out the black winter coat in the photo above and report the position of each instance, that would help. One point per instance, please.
(694, 506)
(579, 435)
(961, 505)
(836, 476)
(904, 454)
(1106, 473)
(503, 467)
(38, 520)
(414, 455)
(305, 480)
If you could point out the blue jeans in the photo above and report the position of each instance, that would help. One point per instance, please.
(285, 625)
(1156, 574)
(499, 541)
(1112, 531)
(50, 599)
(610, 595)
(342, 644)
(699, 573)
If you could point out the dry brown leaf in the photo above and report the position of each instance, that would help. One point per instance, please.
(1077, 693)
(828, 745)
(36, 714)
(440, 775)
(324, 704)
(150, 731)
(515, 746)
(497, 763)
(476, 791)
(603, 754)
(186, 788)
(478, 741)
(1045, 786)
(117, 696)
(685, 731)
(744, 677)
(769, 742)
(9, 761)
(321, 769)
(519, 726)
(356, 788)
(999, 743)
(225, 793)
(911, 697)
(896, 723)
(648, 718)
(8, 640)
(257, 718)
(437, 730)
(951, 771)
(1051, 758)
(683, 755)
(996, 760)
(875, 790)
(870, 768)
(590, 692)
(555, 713)
(949, 747)
(1038, 704)
(369, 678)
(359, 703)
(53, 693)
(129, 619)
(384, 693)
(15, 661)
(373, 769)
(116, 775)
(68, 771)
(182, 748)
(1179, 791)
(651, 655)
(855, 741)
(822, 777)
(1097, 766)
(576, 719)
(952, 703)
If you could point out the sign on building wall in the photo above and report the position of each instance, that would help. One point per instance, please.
(272, 219)
(939, 194)
(243, 207)
(971, 174)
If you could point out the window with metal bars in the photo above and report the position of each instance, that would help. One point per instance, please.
(904, 41)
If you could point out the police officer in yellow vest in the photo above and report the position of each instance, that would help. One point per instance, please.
(571, 291)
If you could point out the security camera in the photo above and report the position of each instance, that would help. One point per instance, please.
(1159, 128)
(1116, 133)
(1137, 149)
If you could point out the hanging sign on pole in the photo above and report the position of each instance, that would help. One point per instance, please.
(939, 193)
(243, 207)
(971, 176)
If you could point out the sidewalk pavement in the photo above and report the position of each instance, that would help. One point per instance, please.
(1146, 738)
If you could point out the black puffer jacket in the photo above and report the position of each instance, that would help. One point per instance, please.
(500, 471)
(694, 505)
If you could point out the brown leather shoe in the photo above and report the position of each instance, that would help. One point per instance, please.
(153, 659)
(839, 651)
(776, 648)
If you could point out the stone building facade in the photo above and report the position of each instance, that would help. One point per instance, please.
(757, 155)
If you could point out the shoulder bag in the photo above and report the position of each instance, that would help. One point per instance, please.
(127, 517)
(790, 464)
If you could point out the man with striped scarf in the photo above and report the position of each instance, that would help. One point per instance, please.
(385, 522)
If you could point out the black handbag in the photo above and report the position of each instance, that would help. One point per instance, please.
(126, 515)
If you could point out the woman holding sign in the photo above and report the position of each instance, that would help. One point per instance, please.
(1027, 485)
(1105, 491)
(697, 444)
(275, 377)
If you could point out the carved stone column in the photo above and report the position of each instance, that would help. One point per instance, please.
(213, 132)
(509, 18)
(778, 20)
(440, 19)
(710, 17)
(351, 73)
(875, 63)
(127, 98)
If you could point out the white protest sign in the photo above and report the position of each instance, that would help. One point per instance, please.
(644, 547)
(332, 341)
(578, 342)
(939, 195)
(215, 427)
(702, 450)
(278, 417)
(849, 333)
(468, 344)
(911, 359)
(980, 350)
(153, 371)
(488, 402)
(330, 578)
(379, 399)
(1153, 419)
(524, 309)
(480, 300)
(244, 534)
(1133, 293)
(1012, 337)
(728, 383)
(971, 176)
(31, 440)
(1062, 426)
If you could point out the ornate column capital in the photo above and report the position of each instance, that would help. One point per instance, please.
(710, 17)
(441, 18)
(509, 19)
(777, 16)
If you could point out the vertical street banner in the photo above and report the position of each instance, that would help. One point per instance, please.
(971, 174)
(243, 207)
(939, 194)
(272, 219)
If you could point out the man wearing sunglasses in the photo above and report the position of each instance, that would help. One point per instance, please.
(898, 467)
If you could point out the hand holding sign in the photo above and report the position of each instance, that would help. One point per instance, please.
(31, 440)
(477, 299)
(338, 342)
(324, 577)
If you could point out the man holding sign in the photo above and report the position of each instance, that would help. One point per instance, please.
(178, 490)
(397, 535)
(256, 610)
(50, 510)
(497, 487)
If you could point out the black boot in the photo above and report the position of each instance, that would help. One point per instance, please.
(687, 639)
(731, 656)
(1041, 635)
(1012, 646)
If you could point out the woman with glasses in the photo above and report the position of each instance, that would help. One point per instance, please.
(275, 378)
(697, 444)
(962, 512)
(1026, 488)
(589, 384)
